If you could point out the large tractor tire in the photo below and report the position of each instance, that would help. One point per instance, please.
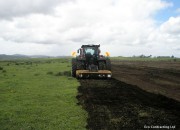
(80, 65)
(74, 67)
(102, 65)
(108, 64)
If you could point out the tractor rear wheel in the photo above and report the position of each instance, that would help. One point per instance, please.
(80, 65)
(74, 67)
(108, 64)
(102, 65)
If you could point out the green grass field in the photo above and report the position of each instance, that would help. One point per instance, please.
(38, 94)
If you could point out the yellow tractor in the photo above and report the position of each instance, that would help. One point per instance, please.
(89, 63)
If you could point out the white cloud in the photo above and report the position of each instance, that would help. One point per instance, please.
(177, 10)
(125, 27)
(172, 26)
(15, 8)
(9, 47)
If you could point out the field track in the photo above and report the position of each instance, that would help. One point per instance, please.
(112, 104)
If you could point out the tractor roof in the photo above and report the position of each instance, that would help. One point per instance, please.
(90, 45)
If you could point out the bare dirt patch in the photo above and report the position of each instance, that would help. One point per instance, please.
(114, 105)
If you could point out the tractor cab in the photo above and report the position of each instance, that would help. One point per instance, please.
(89, 50)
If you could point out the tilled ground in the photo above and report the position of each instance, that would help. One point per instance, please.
(152, 76)
(112, 104)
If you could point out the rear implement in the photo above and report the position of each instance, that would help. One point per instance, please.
(99, 73)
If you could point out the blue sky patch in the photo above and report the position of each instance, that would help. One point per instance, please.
(164, 14)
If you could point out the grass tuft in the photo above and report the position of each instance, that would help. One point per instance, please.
(64, 73)
(1, 68)
(50, 72)
(17, 64)
(4, 71)
(36, 74)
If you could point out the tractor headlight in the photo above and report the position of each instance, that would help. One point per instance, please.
(109, 76)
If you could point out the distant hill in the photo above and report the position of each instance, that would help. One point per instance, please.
(39, 56)
(12, 57)
(20, 56)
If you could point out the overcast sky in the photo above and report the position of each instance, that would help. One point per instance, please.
(58, 27)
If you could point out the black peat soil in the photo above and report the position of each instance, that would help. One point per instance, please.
(115, 105)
